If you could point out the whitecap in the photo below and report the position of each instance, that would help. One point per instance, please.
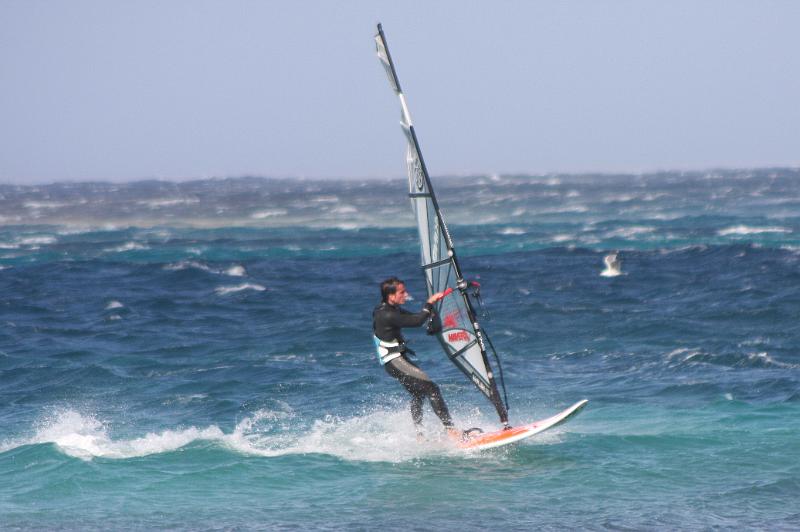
(686, 353)
(37, 240)
(325, 199)
(45, 204)
(186, 399)
(75, 230)
(186, 264)
(747, 230)
(85, 437)
(794, 250)
(764, 358)
(260, 215)
(114, 304)
(224, 290)
(127, 246)
(157, 203)
(623, 198)
(511, 231)
(628, 232)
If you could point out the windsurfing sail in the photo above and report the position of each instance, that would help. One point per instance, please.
(460, 334)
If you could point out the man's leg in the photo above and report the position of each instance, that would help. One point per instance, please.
(419, 385)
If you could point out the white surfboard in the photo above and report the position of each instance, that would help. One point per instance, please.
(489, 440)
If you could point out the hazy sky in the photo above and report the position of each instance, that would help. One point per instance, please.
(105, 90)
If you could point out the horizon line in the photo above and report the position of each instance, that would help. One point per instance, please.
(450, 175)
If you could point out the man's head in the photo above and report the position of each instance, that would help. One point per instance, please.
(393, 291)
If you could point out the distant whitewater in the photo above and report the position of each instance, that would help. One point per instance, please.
(183, 222)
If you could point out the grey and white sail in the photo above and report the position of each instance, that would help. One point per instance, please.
(460, 334)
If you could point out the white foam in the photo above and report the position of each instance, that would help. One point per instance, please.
(628, 232)
(233, 271)
(622, 198)
(75, 230)
(344, 209)
(86, 437)
(37, 240)
(186, 264)
(224, 290)
(260, 215)
(114, 304)
(512, 231)
(378, 436)
(186, 399)
(747, 230)
(154, 204)
(685, 353)
(45, 204)
(127, 246)
(764, 358)
(325, 199)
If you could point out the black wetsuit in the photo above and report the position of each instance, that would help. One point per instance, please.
(387, 320)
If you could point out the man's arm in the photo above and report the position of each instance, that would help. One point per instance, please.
(403, 318)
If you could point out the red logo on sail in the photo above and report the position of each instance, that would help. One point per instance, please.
(460, 336)
(451, 320)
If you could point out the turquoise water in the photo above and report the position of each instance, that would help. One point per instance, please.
(199, 356)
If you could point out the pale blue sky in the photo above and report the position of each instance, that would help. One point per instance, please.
(104, 90)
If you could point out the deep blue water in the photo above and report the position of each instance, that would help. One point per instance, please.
(199, 355)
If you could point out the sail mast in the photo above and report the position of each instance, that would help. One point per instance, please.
(461, 336)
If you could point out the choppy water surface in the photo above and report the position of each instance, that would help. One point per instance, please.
(198, 355)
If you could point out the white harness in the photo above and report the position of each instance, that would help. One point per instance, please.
(387, 351)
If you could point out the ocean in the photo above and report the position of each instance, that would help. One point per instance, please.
(199, 356)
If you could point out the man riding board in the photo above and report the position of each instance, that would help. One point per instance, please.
(387, 320)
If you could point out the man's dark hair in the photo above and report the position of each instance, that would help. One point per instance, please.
(389, 287)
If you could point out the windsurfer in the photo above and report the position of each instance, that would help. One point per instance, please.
(387, 320)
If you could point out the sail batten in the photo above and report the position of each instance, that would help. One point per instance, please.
(460, 335)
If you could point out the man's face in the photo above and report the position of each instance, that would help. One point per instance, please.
(400, 295)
